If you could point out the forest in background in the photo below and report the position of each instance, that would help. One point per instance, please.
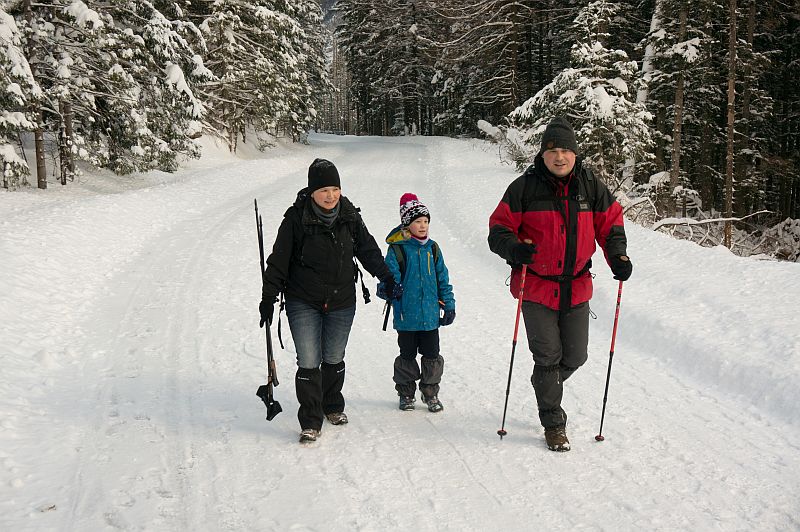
(689, 110)
(129, 84)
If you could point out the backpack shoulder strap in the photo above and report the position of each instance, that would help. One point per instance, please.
(353, 226)
(400, 255)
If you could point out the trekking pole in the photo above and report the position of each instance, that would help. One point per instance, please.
(387, 309)
(599, 436)
(265, 390)
(502, 432)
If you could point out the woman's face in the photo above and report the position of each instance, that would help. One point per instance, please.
(327, 198)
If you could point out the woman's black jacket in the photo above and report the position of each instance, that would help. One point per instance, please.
(314, 262)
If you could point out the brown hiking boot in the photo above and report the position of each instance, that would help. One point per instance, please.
(309, 435)
(337, 418)
(556, 438)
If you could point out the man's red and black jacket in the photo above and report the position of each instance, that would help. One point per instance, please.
(564, 218)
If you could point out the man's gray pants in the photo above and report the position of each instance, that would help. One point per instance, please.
(558, 341)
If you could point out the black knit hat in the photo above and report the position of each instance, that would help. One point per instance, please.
(322, 173)
(559, 134)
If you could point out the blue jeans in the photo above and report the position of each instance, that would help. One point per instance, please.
(318, 337)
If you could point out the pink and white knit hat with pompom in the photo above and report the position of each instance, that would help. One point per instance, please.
(411, 209)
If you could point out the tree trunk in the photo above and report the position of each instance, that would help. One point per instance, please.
(731, 117)
(743, 161)
(38, 132)
(66, 158)
(677, 124)
(643, 93)
(38, 138)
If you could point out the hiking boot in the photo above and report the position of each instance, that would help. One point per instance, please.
(434, 405)
(309, 435)
(337, 418)
(556, 438)
(407, 402)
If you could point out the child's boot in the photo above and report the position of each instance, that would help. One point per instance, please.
(407, 402)
(432, 369)
(406, 374)
(433, 402)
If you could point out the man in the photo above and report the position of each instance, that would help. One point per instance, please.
(546, 225)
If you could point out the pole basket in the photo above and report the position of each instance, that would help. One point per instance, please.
(273, 406)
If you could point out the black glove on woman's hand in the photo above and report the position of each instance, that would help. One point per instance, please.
(622, 267)
(265, 308)
(522, 253)
(392, 289)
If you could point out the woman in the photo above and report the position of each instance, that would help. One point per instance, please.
(312, 263)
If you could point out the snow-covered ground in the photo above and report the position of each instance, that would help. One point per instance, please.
(130, 354)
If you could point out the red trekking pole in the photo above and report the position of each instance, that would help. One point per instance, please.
(502, 432)
(599, 436)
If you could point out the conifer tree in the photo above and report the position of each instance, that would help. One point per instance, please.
(18, 92)
(596, 94)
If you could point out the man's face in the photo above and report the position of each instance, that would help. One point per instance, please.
(559, 161)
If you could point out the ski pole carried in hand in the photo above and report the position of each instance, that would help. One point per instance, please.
(599, 436)
(502, 432)
(265, 390)
(387, 309)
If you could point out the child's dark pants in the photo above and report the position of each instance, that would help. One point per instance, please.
(406, 369)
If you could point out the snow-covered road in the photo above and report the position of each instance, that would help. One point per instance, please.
(130, 355)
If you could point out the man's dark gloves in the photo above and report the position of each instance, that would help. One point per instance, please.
(447, 319)
(389, 289)
(522, 253)
(622, 267)
(265, 308)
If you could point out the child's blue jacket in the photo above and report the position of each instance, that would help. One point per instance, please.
(426, 283)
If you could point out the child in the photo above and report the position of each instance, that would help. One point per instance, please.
(417, 264)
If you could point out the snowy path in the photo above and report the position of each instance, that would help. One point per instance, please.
(132, 406)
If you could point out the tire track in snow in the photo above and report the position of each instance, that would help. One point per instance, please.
(147, 407)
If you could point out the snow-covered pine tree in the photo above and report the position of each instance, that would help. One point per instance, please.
(158, 56)
(408, 56)
(18, 92)
(684, 96)
(308, 47)
(112, 74)
(69, 40)
(499, 53)
(778, 36)
(266, 56)
(754, 107)
(357, 33)
(390, 52)
(597, 95)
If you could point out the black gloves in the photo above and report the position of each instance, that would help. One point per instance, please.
(622, 267)
(265, 308)
(389, 289)
(447, 319)
(522, 253)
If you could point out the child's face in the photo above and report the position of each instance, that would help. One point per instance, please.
(419, 227)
